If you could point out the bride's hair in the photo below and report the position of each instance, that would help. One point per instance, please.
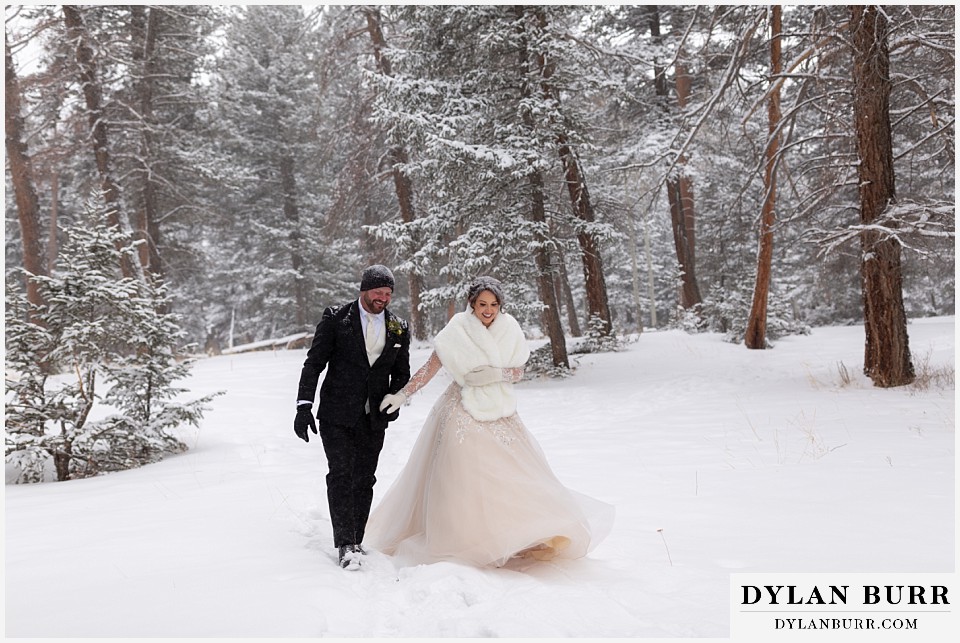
(484, 283)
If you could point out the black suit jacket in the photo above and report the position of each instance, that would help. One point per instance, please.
(351, 381)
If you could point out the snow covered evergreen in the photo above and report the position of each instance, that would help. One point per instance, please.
(90, 383)
(253, 147)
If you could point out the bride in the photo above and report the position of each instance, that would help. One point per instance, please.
(477, 487)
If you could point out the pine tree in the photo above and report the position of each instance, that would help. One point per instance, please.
(273, 255)
(248, 148)
(448, 97)
(94, 329)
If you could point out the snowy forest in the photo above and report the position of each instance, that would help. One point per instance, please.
(196, 178)
(614, 165)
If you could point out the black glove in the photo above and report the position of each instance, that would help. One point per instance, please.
(303, 420)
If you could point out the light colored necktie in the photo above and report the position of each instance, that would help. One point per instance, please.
(371, 335)
(370, 339)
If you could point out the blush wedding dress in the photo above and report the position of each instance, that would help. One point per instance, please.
(481, 491)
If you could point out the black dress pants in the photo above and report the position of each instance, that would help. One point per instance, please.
(352, 455)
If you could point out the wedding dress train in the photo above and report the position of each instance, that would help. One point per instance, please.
(481, 492)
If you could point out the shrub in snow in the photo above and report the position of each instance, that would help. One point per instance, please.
(690, 320)
(728, 311)
(94, 329)
(597, 340)
(540, 364)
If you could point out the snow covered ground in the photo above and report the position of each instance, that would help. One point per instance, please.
(718, 460)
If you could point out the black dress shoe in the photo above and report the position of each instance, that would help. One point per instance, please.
(350, 557)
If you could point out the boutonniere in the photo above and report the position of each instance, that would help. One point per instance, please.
(394, 327)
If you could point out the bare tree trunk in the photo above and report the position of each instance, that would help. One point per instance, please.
(635, 271)
(145, 28)
(684, 85)
(689, 288)
(651, 290)
(756, 333)
(679, 188)
(404, 189)
(291, 211)
(93, 94)
(572, 320)
(680, 197)
(51, 172)
(538, 213)
(52, 246)
(402, 183)
(22, 178)
(596, 285)
(545, 274)
(61, 461)
(887, 352)
(558, 289)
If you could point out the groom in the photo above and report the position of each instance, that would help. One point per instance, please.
(367, 349)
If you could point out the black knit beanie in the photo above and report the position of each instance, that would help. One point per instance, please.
(376, 276)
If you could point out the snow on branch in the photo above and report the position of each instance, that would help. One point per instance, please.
(901, 222)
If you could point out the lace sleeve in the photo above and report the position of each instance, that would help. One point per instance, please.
(422, 376)
(513, 375)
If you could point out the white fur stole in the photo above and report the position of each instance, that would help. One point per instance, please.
(465, 343)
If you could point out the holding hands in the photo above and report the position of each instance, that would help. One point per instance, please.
(392, 402)
(483, 375)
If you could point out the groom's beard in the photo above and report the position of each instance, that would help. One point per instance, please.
(375, 306)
